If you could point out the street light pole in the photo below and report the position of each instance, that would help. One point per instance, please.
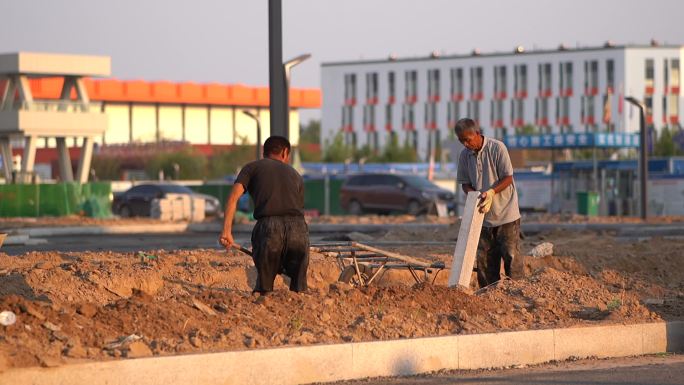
(643, 155)
(277, 90)
(258, 125)
(287, 66)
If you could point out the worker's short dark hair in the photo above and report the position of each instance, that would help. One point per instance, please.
(275, 145)
(466, 124)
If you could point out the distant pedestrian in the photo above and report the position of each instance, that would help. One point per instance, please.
(485, 166)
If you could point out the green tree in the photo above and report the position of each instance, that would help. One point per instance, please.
(183, 164)
(665, 144)
(394, 152)
(311, 132)
(106, 167)
(229, 162)
(338, 150)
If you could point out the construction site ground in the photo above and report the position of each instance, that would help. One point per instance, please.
(75, 306)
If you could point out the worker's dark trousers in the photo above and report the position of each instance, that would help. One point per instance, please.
(497, 243)
(280, 245)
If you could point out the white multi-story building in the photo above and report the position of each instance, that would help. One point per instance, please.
(562, 93)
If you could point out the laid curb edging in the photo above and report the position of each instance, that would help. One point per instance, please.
(97, 230)
(326, 363)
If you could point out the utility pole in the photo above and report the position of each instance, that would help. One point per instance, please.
(643, 156)
(276, 71)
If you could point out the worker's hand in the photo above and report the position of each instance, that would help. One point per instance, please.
(486, 199)
(226, 239)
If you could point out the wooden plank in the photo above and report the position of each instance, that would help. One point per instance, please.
(466, 244)
(400, 257)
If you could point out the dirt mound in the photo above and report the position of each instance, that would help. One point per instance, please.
(80, 306)
(162, 303)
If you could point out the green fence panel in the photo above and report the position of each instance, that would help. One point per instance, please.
(335, 186)
(92, 199)
(314, 195)
(19, 200)
(53, 200)
(97, 199)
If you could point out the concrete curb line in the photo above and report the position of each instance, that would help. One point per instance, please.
(324, 363)
(96, 230)
(16, 240)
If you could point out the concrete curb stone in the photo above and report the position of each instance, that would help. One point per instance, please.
(325, 363)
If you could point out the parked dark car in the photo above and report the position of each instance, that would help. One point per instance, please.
(137, 201)
(391, 192)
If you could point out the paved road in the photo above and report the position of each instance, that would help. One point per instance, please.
(652, 370)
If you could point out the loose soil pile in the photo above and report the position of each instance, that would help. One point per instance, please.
(74, 307)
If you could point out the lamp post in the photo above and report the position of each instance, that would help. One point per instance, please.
(258, 125)
(276, 77)
(287, 66)
(643, 155)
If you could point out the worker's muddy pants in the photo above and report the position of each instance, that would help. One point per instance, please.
(497, 243)
(280, 245)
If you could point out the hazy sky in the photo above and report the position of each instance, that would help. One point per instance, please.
(227, 41)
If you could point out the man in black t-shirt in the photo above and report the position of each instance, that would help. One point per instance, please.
(280, 239)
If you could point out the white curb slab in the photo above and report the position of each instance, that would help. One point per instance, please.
(325, 363)
(96, 230)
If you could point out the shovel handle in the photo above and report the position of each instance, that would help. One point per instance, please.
(242, 249)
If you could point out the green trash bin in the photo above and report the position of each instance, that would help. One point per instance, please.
(587, 203)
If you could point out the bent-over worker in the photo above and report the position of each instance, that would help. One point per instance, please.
(485, 166)
(280, 238)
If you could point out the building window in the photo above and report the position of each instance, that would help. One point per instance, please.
(649, 75)
(388, 117)
(565, 79)
(453, 113)
(591, 77)
(674, 73)
(544, 84)
(433, 85)
(411, 87)
(610, 75)
(456, 83)
(391, 87)
(589, 113)
(565, 116)
(648, 102)
(408, 117)
(594, 74)
(520, 80)
(369, 117)
(371, 88)
(517, 112)
(473, 110)
(476, 82)
(348, 118)
(431, 116)
(350, 89)
(673, 108)
(499, 82)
